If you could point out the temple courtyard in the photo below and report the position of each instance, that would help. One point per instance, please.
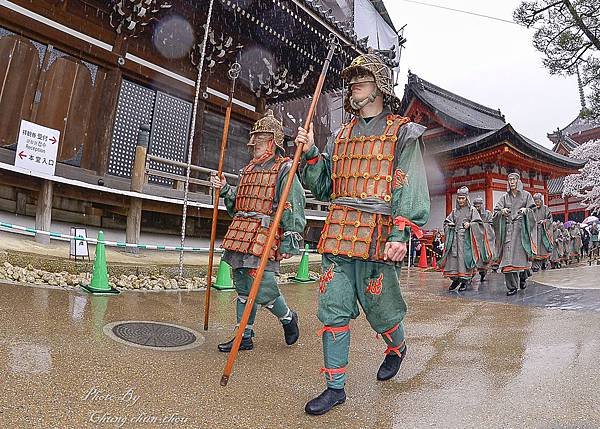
(478, 359)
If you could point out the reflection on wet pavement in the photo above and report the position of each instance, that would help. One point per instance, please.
(536, 294)
(471, 363)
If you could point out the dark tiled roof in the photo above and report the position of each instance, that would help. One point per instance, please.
(567, 142)
(473, 144)
(556, 186)
(442, 146)
(580, 125)
(452, 105)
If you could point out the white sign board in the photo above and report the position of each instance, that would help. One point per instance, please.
(37, 148)
(79, 248)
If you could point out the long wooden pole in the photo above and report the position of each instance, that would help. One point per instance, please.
(276, 220)
(234, 72)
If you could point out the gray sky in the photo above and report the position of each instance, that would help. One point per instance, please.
(490, 62)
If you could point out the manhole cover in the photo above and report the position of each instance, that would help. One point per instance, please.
(153, 335)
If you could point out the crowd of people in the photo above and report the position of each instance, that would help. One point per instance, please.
(518, 239)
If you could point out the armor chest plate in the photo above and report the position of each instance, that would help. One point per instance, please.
(256, 190)
(363, 166)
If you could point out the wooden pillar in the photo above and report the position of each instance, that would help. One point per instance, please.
(448, 201)
(489, 192)
(566, 209)
(43, 213)
(138, 179)
(106, 119)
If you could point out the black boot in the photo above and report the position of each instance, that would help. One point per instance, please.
(454, 284)
(246, 344)
(325, 401)
(463, 286)
(291, 332)
(482, 277)
(390, 365)
(511, 292)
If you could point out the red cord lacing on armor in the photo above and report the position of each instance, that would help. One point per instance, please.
(332, 371)
(402, 222)
(396, 349)
(388, 332)
(333, 330)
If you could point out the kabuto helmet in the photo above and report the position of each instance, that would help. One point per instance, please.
(269, 124)
(373, 64)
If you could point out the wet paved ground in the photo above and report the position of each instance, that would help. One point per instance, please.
(474, 361)
(551, 289)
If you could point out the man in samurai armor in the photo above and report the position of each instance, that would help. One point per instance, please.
(489, 238)
(374, 177)
(465, 236)
(252, 204)
(545, 236)
(516, 234)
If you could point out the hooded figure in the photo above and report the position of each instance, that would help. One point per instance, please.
(545, 236)
(489, 238)
(567, 245)
(465, 242)
(576, 241)
(558, 249)
(516, 233)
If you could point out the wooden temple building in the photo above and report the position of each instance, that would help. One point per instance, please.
(99, 70)
(581, 130)
(467, 144)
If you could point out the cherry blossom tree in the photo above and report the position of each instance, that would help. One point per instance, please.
(586, 184)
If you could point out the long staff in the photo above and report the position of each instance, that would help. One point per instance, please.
(275, 224)
(233, 73)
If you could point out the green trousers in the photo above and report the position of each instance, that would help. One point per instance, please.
(269, 296)
(345, 284)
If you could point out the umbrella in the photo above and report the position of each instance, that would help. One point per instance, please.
(569, 223)
(591, 219)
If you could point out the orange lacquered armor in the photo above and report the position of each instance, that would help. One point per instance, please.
(255, 194)
(362, 167)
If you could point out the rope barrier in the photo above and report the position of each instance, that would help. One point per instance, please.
(118, 244)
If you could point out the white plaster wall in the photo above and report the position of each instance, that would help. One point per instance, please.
(497, 196)
(437, 213)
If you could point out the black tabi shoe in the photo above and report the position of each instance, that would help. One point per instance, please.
(291, 332)
(454, 285)
(482, 277)
(246, 344)
(325, 401)
(523, 284)
(390, 365)
(511, 292)
(535, 270)
(463, 286)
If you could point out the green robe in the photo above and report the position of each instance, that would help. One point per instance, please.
(293, 220)
(464, 248)
(516, 235)
(545, 238)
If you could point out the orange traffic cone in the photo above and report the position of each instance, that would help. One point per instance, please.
(423, 258)
(433, 262)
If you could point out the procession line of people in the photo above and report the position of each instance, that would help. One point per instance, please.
(518, 238)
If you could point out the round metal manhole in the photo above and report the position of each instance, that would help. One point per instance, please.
(153, 335)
